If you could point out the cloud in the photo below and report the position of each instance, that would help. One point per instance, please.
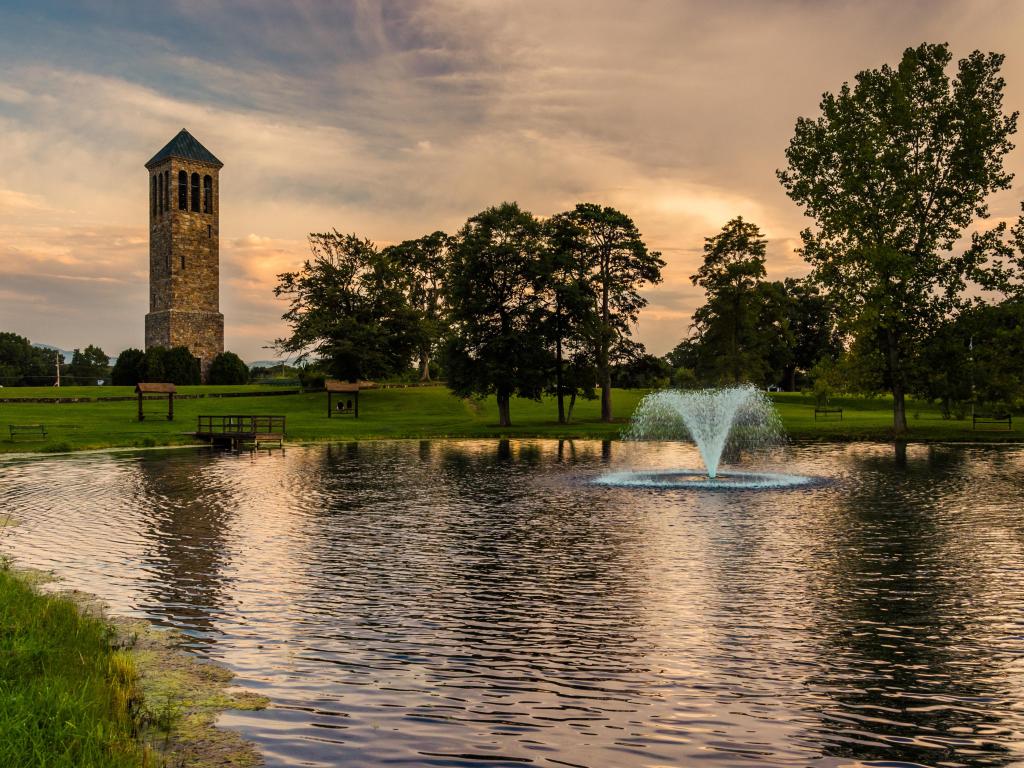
(395, 119)
(11, 200)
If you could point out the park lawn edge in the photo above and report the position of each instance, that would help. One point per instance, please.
(434, 413)
(164, 701)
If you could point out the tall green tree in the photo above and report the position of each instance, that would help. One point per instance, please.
(572, 320)
(812, 325)
(609, 245)
(496, 343)
(421, 265)
(892, 171)
(88, 366)
(347, 307)
(731, 275)
(21, 364)
(976, 358)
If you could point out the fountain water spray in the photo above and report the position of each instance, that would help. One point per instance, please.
(726, 420)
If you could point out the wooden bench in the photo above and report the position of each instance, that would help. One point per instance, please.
(27, 429)
(268, 439)
(986, 418)
(827, 412)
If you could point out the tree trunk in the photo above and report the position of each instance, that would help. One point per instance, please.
(606, 394)
(735, 340)
(504, 417)
(559, 384)
(425, 365)
(603, 363)
(572, 404)
(789, 379)
(899, 411)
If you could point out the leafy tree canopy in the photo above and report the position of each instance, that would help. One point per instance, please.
(606, 245)
(347, 306)
(496, 344)
(892, 171)
(740, 324)
(88, 366)
(21, 364)
(421, 265)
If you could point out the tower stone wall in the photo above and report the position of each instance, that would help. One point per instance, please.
(184, 252)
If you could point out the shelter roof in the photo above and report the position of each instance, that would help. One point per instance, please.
(333, 385)
(154, 388)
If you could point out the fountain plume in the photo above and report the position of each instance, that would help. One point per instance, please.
(726, 420)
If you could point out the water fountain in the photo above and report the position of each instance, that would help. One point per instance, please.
(723, 421)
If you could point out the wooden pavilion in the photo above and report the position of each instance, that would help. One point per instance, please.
(147, 390)
(342, 388)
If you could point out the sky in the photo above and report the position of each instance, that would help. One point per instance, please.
(395, 119)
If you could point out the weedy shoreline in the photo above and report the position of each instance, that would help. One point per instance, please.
(82, 688)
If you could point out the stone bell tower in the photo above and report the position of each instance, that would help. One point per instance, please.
(184, 255)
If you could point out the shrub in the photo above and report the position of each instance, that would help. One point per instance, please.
(129, 369)
(685, 378)
(180, 367)
(228, 368)
(312, 379)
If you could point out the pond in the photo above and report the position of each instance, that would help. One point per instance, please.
(482, 603)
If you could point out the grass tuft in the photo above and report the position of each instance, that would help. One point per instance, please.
(68, 697)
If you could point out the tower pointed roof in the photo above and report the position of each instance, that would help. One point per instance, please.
(187, 147)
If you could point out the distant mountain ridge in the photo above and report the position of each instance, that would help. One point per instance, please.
(267, 363)
(65, 355)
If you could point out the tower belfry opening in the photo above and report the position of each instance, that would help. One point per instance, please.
(184, 302)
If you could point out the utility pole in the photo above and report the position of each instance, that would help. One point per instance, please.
(970, 348)
(57, 383)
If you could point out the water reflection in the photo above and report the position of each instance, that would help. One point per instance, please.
(187, 519)
(906, 670)
(481, 603)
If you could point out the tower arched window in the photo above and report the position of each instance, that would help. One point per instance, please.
(207, 194)
(160, 194)
(195, 192)
(182, 191)
(154, 200)
(167, 190)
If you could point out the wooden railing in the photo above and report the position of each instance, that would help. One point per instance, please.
(241, 425)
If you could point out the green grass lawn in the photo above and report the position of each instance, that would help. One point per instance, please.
(65, 694)
(429, 412)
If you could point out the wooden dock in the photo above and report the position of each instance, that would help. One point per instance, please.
(237, 431)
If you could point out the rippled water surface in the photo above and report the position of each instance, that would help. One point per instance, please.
(483, 603)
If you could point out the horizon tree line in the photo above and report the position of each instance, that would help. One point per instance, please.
(513, 305)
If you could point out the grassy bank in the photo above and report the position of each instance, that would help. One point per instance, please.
(78, 690)
(67, 696)
(431, 412)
